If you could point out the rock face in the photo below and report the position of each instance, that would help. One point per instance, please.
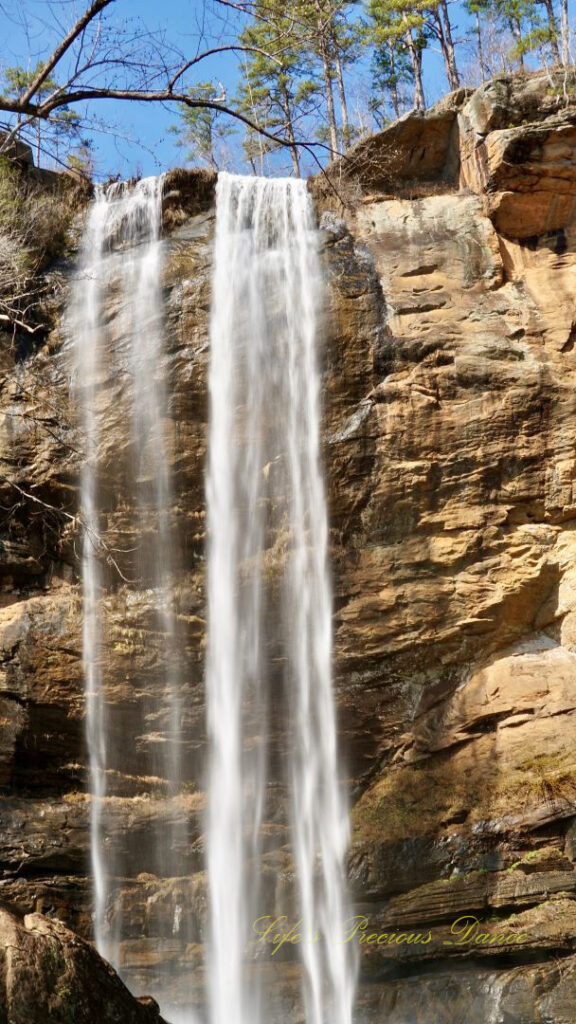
(48, 974)
(512, 141)
(450, 411)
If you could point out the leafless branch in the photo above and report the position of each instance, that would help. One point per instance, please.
(15, 322)
(89, 15)
(96, 538)
(147, 80)
(219, 49)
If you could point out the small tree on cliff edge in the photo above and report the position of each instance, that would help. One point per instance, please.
(47, 135)
(202, 131)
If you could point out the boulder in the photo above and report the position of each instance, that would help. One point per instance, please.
(49, 974)
(422, 146)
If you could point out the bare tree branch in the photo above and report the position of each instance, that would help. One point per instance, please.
(96, 538)
(44, 110)
(13, 321)
(65, 45)
(146, 73)
(219, 49)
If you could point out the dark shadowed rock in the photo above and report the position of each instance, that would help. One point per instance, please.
(422, 146)
(187, 193)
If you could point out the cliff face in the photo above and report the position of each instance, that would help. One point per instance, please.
(450, 409)
(456, 623)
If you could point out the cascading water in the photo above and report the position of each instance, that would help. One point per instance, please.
(271, 718)
(121, 266)
(269, 602)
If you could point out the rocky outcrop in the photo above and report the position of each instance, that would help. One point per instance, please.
(455, 618)
(186, 195)
(422, 146)
(449, 383)
(17, 150)
(48, 974)
(513, 142)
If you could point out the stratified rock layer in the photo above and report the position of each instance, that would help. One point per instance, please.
(450, 414)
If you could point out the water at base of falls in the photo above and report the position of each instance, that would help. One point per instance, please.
(115, 321)
(269, 601)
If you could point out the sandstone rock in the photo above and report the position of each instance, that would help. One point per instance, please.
(530, 994)
(511, 141)
(479, 893)
(511, 100)
(517, 139)
(467, 331)
(48, 974)
(421, 146)
(186, 194)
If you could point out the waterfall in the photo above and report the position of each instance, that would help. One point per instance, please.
(273, 772)
(269, 600)
(119, 281)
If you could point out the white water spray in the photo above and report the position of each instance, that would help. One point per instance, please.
(269, 659)
(121, 266)
(269, 599)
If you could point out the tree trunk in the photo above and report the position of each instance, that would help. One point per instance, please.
(516, 31)
(294, 154)
(447, 44)
(565, 34)
(393, 80)
(328, 93)
(553, 30)
(342, 95)
(210, 141)
(483, 69)
(416, 60)
(290, 134)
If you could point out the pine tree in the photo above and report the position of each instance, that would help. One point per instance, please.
(65, 124)
(277, 92)
(397, 23)
(324, 40)
(442, 28)
(391, 76)
(553, 32)
(202, 129)
(475, 9)
(532, 23)
(565, 32)
(321, 31)
(80, 160)
(346, 47)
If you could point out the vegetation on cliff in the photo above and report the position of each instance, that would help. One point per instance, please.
(36, 212)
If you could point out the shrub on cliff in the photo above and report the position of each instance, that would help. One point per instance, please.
(35, 217)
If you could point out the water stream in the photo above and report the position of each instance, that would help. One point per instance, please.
(270, 708)
(120, 280)
(268, 553)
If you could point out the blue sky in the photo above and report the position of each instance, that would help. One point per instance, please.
(143, 143)
(137, 139)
